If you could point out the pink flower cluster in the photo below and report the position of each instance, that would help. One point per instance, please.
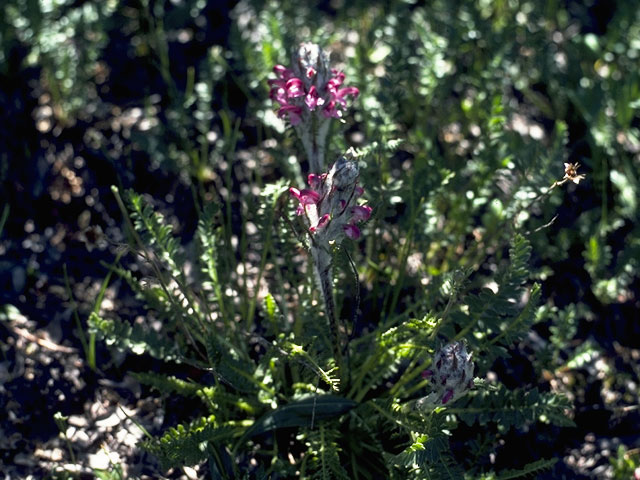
(329, 204)
(309, 87)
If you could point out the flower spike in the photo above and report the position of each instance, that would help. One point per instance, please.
(329, 204)
(310, 94)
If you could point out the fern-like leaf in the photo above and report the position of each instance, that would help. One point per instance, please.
(521, 323)
(498, 316)
(229, 366)
(168, 384)
(188, 445)
(134, 338)
(324, 455)
(156, 232)
(529, 470)
(209, 240)
(430, 458)
(374, 148)
(512, 408)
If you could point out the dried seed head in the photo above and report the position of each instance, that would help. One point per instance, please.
(571, 173)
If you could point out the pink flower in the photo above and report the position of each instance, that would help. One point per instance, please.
(315, 181)
(293, 111)
(343, 92)
(331, 111)
(352, 231)
(278, 91)
(309, 197)
(447, 396)
(452, 369)
(335, 82)
(294, 192)
(309, 85)
(324, 220)
(295, 88)
(313, 100)
(305, 196)
(328, 205)
(283, 72)
(277, 82)
(360, 213)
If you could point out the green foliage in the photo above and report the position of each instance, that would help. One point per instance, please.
(528, 471)
(270, 354)
(55, 35)
(135, 337)
(467, 112)
(167, 385)
(429, 458)
(498, 318)
(156, 233)
(374, 149)
(115, 472)
(625, 463)
(564, 326)
(188, 445)
(209, 237)
(156, 297)
(513, 408)
(302, 413)
(323, 461)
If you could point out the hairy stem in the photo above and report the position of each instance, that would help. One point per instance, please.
(322, 265)
(314, 141)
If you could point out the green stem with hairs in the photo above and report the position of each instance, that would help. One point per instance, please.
(322, 266)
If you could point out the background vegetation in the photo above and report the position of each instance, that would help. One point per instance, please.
(467, 113)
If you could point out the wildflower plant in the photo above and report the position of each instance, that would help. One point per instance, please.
(331, 212)
(299, 374)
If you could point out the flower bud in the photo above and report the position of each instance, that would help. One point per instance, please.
(311, 64)
(451, 375)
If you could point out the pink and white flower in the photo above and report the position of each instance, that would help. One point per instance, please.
(310, 89)
(329, 204)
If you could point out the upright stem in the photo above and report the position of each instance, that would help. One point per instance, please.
(322, 265)
(314, 141)
(316, 158)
